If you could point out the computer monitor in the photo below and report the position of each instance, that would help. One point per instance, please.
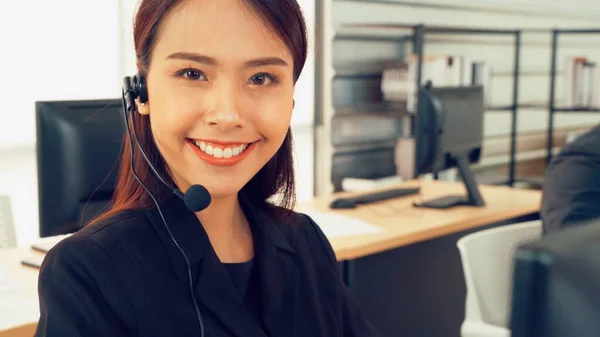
(556, 284)
(449, 134)
(78, 147)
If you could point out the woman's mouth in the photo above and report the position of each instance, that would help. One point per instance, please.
(221, 153)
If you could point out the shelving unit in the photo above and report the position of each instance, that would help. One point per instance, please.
(416, 35)
(552, 107)
(416, 38)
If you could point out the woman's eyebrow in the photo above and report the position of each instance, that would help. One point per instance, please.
(200, 58)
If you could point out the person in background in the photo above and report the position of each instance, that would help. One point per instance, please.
(571, 190)
(219, 77)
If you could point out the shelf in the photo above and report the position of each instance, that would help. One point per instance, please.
(577, 110)
(534, 106)
(530, 73)
(357, 76)
(578, 31)
(497, 108)
(353, 34)
(388, 109)
(535, 183)
(432, 29)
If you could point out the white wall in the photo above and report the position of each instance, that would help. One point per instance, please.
(53, 50)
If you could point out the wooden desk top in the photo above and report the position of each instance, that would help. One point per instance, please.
(404, 224)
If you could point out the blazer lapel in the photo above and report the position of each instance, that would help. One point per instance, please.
(278, 273)
(212, 286)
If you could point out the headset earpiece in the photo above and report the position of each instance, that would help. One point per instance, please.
(139, 86)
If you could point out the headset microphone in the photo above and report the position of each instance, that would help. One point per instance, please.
(196, 198)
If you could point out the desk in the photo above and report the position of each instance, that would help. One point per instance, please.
(404, 227)
(409, 277)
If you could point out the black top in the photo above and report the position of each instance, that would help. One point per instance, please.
(571, 191)
(125, 277)
(239, 274)
(244, 279)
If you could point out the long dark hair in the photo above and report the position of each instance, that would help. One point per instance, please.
(285, 18)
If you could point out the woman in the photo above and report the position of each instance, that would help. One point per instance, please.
(219, 77)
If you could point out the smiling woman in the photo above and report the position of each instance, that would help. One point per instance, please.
(214, 104)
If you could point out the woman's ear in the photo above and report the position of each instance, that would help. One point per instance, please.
(142, 108)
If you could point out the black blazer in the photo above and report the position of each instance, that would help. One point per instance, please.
(125, 277)
(571, 191)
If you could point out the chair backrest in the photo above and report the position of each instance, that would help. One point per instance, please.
(487, 259)
(7, 228)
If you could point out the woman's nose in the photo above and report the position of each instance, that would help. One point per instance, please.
(223, 113)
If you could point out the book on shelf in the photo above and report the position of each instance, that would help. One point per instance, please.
(581, 83)
(399, 78)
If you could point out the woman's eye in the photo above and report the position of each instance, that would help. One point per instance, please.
(263, 79)
(192, 74)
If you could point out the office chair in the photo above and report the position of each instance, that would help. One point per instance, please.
(487, 258)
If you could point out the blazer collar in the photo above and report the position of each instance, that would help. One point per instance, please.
(186, 229)
(278, 271)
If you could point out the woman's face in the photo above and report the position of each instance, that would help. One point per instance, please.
(220, 94)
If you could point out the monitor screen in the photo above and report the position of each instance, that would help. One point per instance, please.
(556, 284)
(449, 123)
(78, 148)
(462, 118)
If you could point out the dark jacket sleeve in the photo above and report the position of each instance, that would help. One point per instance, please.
(571, 191)
(78, 296)
(354, 323)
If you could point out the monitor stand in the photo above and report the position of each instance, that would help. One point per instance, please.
(473, 197)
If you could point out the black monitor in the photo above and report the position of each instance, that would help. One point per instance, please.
(556, 285)
(78, 148)
(449, 134)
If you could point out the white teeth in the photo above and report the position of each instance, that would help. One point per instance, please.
(219, 152)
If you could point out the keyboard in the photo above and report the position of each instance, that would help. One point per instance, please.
(352, 202)
(45, 244)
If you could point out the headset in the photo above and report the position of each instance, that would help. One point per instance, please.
(196, 198)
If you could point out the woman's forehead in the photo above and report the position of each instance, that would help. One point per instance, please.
(221, 29)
